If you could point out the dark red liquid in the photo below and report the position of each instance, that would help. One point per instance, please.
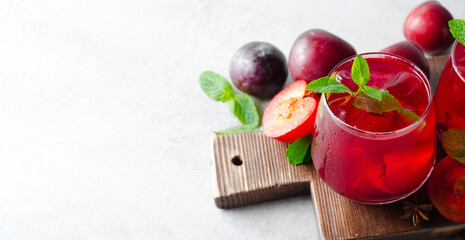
(376, 158)
(450, 94)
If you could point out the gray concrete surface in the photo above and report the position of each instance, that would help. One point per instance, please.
(104, 131)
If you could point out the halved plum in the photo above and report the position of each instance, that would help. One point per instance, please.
(447, 189)
(290, 115)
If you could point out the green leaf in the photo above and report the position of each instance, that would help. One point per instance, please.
(216, 87)
(411, 117)
(372, 92)
(457, 28)
(453, 141)
(388, 102)
(298, 152)
(244, 108)
(360, 71)
(238, 129)
(326, 85)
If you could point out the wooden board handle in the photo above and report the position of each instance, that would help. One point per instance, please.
(251, 168)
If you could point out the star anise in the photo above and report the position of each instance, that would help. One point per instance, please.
(416, 211)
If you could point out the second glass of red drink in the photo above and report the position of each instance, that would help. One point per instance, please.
(450, 93)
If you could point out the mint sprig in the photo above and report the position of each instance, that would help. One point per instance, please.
(453, 141)
(298, 152)
(387, 103)
(216, 87)
(244, 108)
(327, 84)
(241, 105)
(360, 71)
(238, 129)
(374, 92)
(368, 98)
(457, 28)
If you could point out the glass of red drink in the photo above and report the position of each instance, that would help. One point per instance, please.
(370, 157)
(450, 93)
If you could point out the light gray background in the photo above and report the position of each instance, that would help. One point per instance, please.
(104, 131)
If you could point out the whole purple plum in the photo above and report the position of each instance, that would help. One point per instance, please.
(259, 69)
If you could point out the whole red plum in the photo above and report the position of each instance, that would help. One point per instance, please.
(427, 27)
(411, 52)
(315, 52)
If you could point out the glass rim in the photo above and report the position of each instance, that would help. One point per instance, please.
(454, 64)
(390, 134)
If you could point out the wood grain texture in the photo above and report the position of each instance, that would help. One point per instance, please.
(436, 65)
(264, 174)
(250, 168)
(341, 218)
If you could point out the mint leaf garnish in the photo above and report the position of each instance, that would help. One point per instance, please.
(360, 71)
(243, 107)
(410, 115)
(298, 152)
(216, 87)
(327, 84)
(238, 129)
(372, 92)
(453, 141)
(457, 28)
(368, 98)
(388, 102)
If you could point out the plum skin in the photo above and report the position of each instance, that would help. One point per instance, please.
(427, 27)
(314, 54)
(446, 189)
(411, 52)
(259, 69)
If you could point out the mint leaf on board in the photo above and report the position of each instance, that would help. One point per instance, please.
(244, 108)
(372, 92)
(326, 85)
(457, 28)
(298, 152)
(388, 102)
(453, 141)
(216, 87)
(360, 71)
(238, 129)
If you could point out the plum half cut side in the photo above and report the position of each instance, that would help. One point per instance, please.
(291, 114)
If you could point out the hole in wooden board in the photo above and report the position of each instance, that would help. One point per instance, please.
(236, 161)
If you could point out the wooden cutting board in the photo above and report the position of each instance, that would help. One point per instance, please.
(250, 168)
